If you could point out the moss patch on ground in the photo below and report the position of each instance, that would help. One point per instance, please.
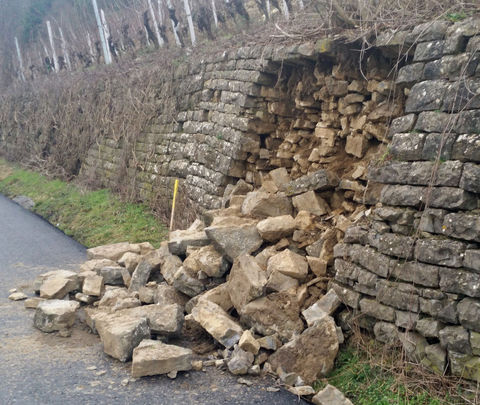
(91, 217)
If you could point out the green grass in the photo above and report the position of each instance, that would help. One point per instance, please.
(91, 217)
(365, 383)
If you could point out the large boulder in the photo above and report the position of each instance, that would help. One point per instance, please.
(246, 281)
(152, 357)
(276, 313)
(55, 315)
(261, 204)
(234, 236)
(217, 323)
(310, 355)
(275, 228)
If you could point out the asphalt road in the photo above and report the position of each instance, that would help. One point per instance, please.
(38, 368)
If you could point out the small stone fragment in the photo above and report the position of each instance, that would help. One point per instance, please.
(249, 343)
(330, 396)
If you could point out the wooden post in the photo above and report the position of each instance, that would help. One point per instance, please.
(106, 51)
(52, 46)
(20, 61)
(155, 25)
(175, 190)
(191, 28)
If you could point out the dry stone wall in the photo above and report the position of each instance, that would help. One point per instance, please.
(242, 113)
(412, 271)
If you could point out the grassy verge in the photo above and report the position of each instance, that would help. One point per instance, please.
(91, 217)
(370, 373)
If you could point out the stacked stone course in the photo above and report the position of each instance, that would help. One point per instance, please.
(414, 272)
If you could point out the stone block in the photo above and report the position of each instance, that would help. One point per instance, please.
(55, 315)
(407, 146)
(277, 313)
(462, 226)
(469, 314)
(180, 240)
(346, 295)
(406, 320)
(396, 245)
(443, 309)
(206, 261)
(410, 74)
(464, 365)
(435, 359)
(398, 295)
(470, 180)
(310, 202)
(428, 51)
(375, 309)
(426, 96)
(296, 357)
(217, 323)
(462, 95)
(401, 125)
(246, 281)
(466, 147)
(262, 204)
(330, 396)
(288, 263)
(441, 252)
(471, 260)
(431, 220)
(435, 143)
(429, 327)
(386, 332)
(455, 339)
(357, 145)
(121, 334)
(152, 357)
(418, 273)
(234, 236)
(318, 181)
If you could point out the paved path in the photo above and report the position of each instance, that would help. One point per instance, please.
(37, 368)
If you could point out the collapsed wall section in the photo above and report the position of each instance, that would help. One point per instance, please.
(412, 271)
(240, 114)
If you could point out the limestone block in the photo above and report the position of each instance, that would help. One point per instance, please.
(462, 226)
(426, 96)
(208, 261)
(246, 281)
(93, 285)
(152, 357)
(112, 275)
(470, 180)
(55, 315)
(434, 142)
(441, 252)
(386, 332)
(456, 339)
(180, 240)
(112, 252)
(311, 202)
(330, 396)
(407, 146)
(298, 357)
(318, 181)
(276, 313)
(249, 343)
(187, 283)
(217, 323)
(275, 228)
(288, 263)
(435, 358)
(377, 310)
(357, 145)
(469, 313)
(471, 260)
(240, 361)
(428, 50)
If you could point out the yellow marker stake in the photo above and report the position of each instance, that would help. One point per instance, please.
(175, 190)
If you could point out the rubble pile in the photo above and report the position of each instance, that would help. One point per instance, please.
(246, 282)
